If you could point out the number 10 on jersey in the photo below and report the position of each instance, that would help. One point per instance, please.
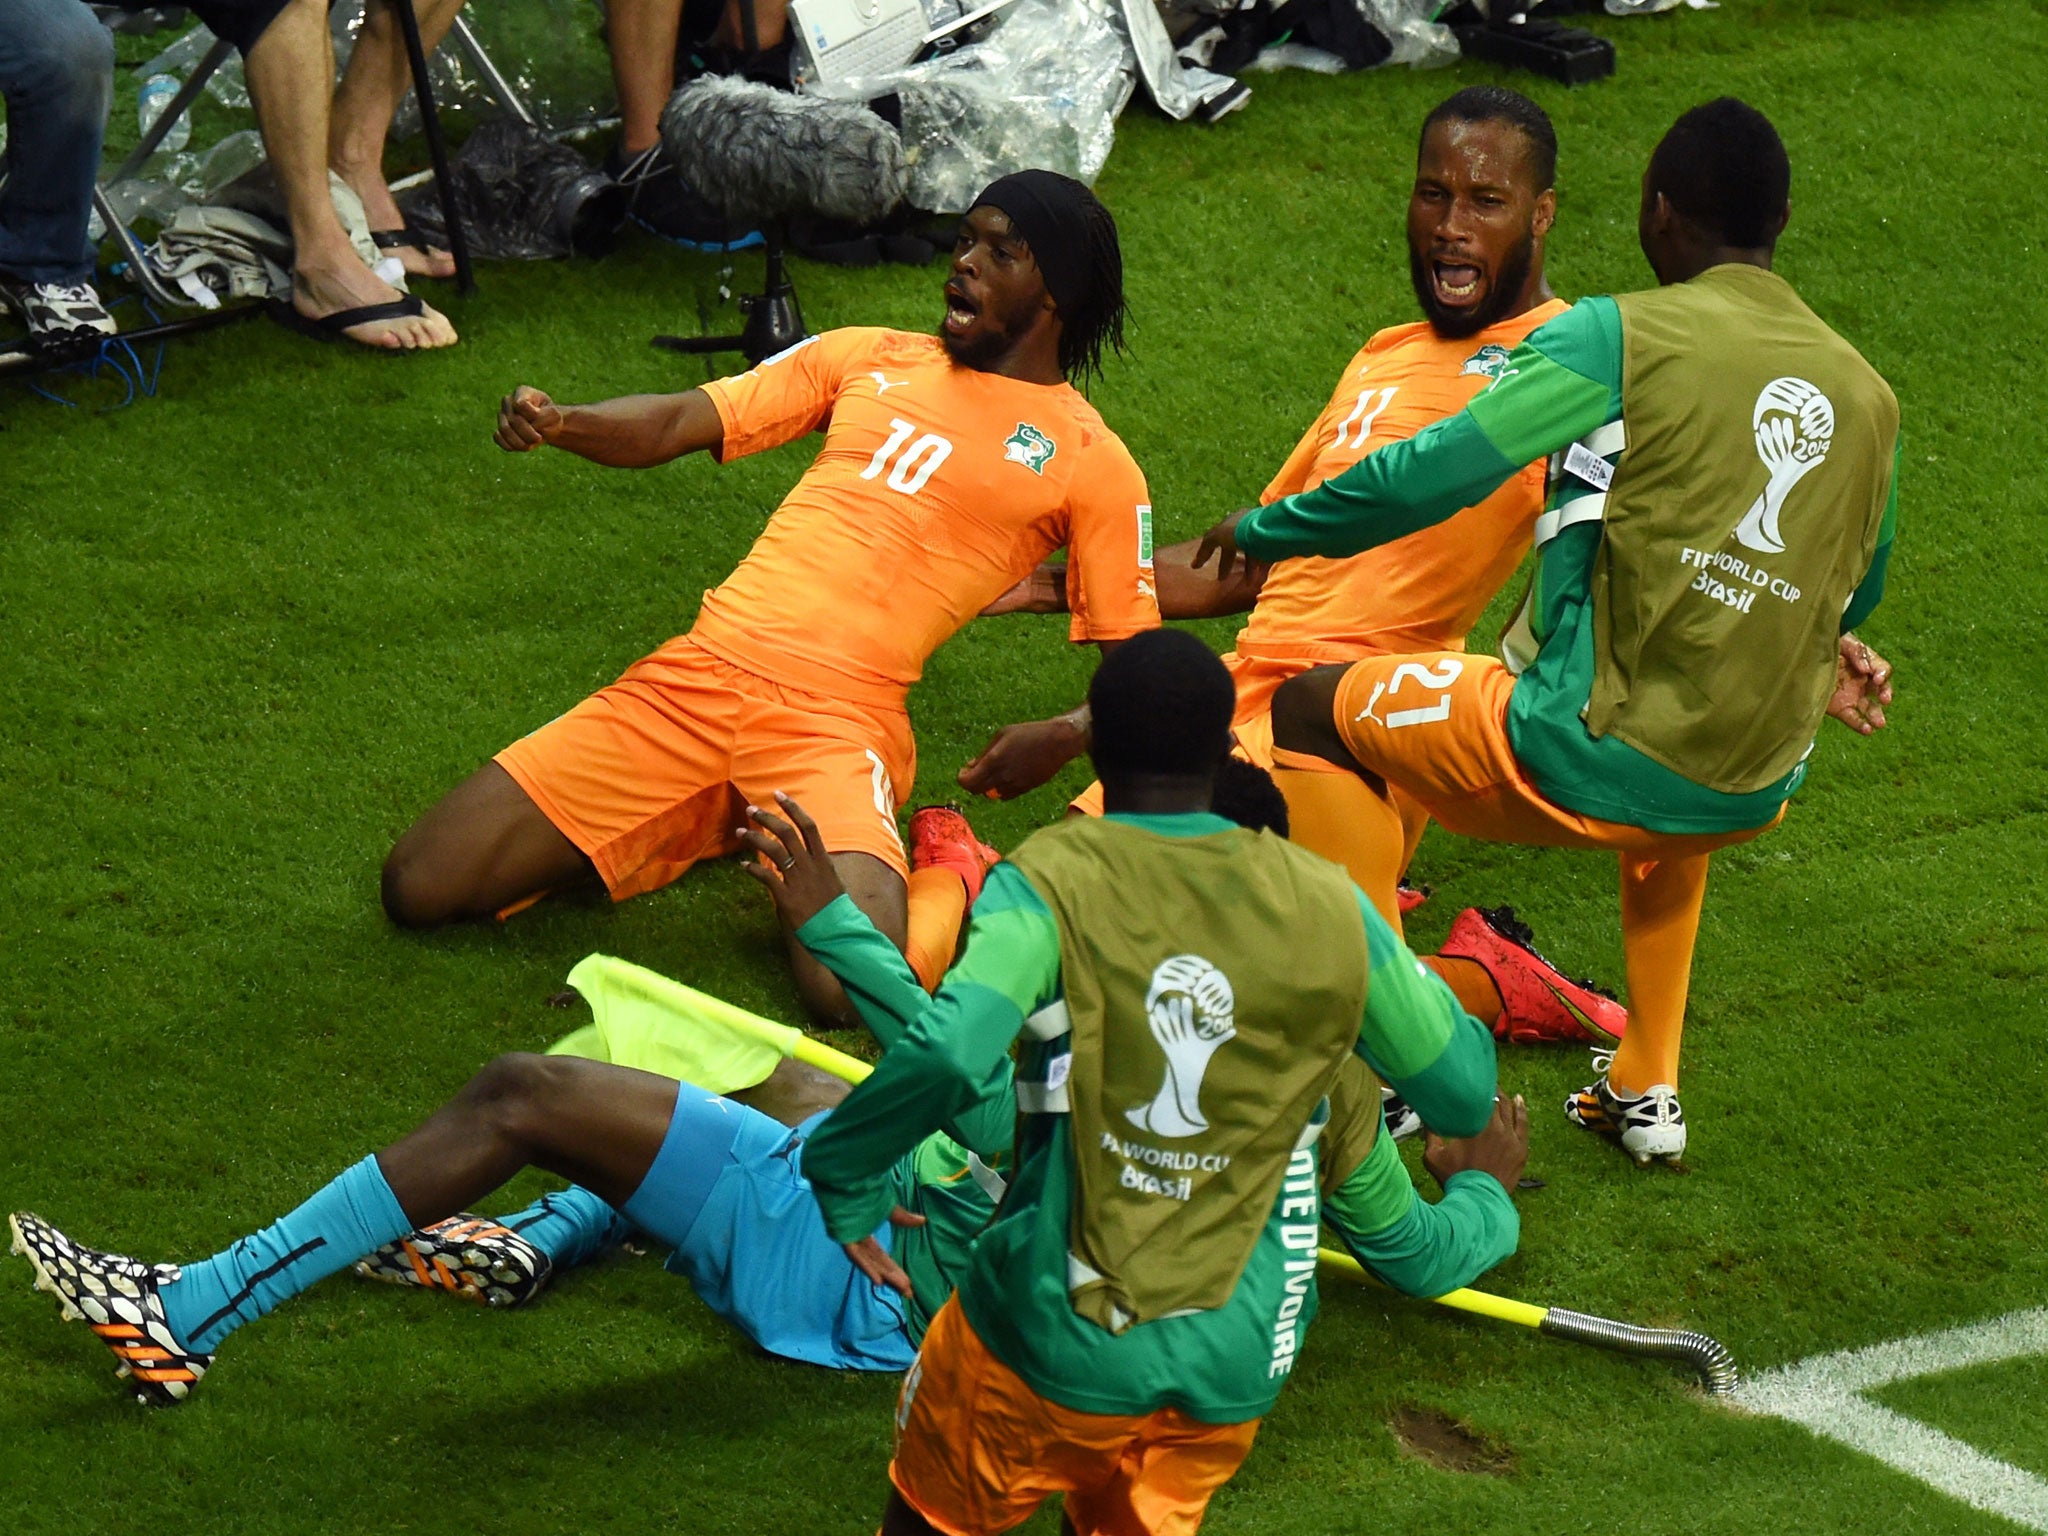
(913, 465)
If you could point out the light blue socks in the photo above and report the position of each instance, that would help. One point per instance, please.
(352, 1216)
(569, 1227)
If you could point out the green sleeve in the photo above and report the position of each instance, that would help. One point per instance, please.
(1416, 1247)
(1560, 384)
(878, 980)
(1416, 1036)
(886, 993)
(946, 1055)
(1870, 591)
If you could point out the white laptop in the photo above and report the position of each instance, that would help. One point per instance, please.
(842, 39)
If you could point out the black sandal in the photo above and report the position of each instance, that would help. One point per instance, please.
(407, 234)
(331, 327)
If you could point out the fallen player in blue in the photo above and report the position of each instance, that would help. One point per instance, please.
(722, 1184)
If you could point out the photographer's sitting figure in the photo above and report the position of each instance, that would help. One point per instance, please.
(646, 37)
(57, 77)
(309, 127)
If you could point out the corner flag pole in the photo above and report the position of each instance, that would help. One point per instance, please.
(1709, 1358)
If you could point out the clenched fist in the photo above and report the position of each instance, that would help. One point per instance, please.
(527, 419)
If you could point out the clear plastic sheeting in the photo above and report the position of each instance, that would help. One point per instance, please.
(1178, 88)
(1044, 88)
(1416, 39)
(548, 52)
(225, 85)
(522, 196)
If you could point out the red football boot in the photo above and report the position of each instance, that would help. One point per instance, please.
(1540, 1004)
(940, 838)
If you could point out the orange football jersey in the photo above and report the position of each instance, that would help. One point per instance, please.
(937, 488)
(1424, 592)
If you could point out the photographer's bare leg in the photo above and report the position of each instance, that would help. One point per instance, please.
(289, 70)
(378, 76)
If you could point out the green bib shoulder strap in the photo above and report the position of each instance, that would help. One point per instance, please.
(1214, 986)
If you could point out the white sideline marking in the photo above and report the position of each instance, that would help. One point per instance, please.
(1825, 1394)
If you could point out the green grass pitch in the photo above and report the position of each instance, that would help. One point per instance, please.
(252, 627)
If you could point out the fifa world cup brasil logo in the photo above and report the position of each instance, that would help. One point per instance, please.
(1794, 425)
(1190, 1007)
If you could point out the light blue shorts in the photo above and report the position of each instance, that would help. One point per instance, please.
(727, 1190)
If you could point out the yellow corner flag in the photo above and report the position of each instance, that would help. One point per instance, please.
(640, 1018)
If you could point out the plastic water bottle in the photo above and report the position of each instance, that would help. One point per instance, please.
(157, 92)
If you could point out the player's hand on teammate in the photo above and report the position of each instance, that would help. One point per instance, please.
(1019, 758)
(1043, 591)
(527, 419)
(1502, 1149)
(1863, 686)
(794, 863)
(1221, 541)
(872, 1259)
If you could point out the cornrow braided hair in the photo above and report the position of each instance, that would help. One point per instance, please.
(1097, 326)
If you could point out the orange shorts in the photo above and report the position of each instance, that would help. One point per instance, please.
(651, 774)
(977, 1451)
(1435, 726)
(1251, 727)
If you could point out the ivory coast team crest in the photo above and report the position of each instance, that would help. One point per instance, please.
(1490, 361)
(1030, 447)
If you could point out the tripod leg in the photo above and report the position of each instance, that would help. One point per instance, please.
(437, 147)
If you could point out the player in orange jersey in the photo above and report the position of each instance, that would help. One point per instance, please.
(1482, 205)
(951, 465)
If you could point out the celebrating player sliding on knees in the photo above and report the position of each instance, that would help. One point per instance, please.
(1480, 214)
(951, 465)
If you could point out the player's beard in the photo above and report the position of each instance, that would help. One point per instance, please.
(981, 351)
(996, 337)
(1501, 293)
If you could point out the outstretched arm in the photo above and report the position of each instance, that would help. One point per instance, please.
(1010, 970)
(1559, 385)
(1184, 592)
(631, 432)
(1019, 758)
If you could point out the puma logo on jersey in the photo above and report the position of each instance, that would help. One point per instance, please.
(1030, 447)
(883, 384)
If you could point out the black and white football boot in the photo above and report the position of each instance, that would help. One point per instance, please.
(469, 1256)
(1402, 1121)
(1649, 1125)
(117, 1297)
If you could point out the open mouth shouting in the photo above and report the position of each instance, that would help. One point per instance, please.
(961, 310)
(1457, 284)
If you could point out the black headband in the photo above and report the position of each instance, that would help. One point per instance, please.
(1049, 211)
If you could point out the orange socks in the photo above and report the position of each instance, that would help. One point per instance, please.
(938, 904)
(1660, 919)
(1334, 813)
(1475, 990)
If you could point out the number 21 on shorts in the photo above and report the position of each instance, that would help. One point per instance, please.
(915, 464)
(1442, 675)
